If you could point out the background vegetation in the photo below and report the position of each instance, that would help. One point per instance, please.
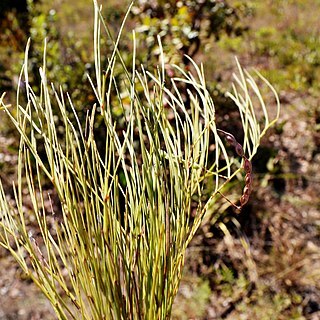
(264, 263)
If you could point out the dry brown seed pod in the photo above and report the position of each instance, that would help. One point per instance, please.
(239, 150)
(247, 166)
(231, 139)
(247, 190)
(248, 178)
(244, 199)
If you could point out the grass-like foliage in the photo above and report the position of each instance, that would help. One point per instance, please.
(129, 210)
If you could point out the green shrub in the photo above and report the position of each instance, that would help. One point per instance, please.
(185, 26)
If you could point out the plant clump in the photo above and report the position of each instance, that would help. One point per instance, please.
(127, 212)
